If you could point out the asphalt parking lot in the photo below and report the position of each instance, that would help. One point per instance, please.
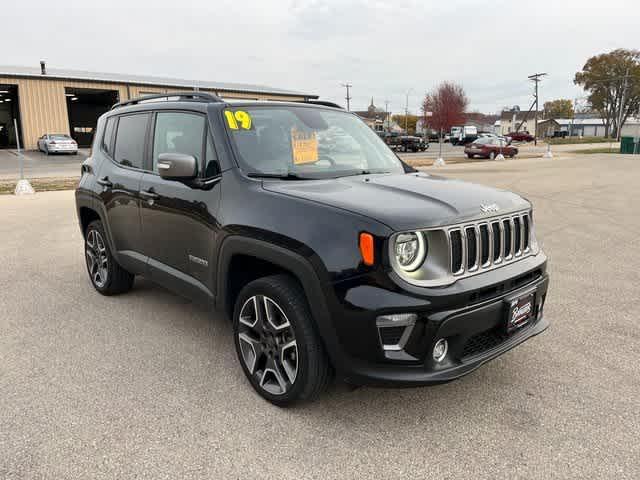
(37, 164)
(146, 385)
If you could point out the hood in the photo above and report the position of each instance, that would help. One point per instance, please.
(404, 201)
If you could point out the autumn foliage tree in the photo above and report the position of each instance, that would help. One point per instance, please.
(613, 82)
(560, 108)
(409, 121)
(445, 107)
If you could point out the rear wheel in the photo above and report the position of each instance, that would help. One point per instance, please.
(277, 345)
(106, 275)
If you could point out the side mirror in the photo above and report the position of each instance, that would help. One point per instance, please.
(177, 166)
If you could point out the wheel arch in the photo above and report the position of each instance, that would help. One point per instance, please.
(238, 251)
(87, 215)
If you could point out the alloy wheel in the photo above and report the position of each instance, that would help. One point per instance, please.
(268, 345)
(97, 260)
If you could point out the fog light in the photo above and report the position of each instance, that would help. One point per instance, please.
(440, 350)
(395, 329)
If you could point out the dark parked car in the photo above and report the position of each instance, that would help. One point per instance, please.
(490, 147)
(411, 143)
(405, 143)
(520, 136)
(331, 257)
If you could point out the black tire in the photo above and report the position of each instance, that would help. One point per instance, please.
(469, 155)
(313, 370)
(116, 279)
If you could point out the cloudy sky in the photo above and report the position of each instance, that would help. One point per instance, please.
(383, 48)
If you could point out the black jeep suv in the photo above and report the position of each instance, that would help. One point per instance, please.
(329, 254)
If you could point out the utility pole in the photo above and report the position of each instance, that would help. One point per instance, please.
(536, 79)
(622, 100)
(406, 112)
(348, 97)
(386, 114)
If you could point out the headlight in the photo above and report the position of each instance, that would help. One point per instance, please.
(410, 249)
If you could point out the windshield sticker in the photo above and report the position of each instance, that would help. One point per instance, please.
(304, 147)
(238, 120)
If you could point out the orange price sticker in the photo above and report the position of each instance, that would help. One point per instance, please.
(304, 147)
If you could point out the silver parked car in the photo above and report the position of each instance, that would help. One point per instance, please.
(57, 143)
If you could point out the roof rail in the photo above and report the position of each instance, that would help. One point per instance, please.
(324, 103)
(194, 96)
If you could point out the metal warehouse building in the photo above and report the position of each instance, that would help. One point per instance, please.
(44, 100)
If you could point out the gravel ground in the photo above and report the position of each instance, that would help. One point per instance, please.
(146, 385)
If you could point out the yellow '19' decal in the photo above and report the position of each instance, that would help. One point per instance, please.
(238, 119)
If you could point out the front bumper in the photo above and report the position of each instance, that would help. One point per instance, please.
(475, 330)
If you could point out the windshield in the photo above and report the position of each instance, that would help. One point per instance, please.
(59, 136)
(306, 142)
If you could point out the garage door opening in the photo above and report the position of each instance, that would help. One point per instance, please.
(85, 105)
(9, 109)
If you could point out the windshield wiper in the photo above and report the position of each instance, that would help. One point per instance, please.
(282, 176)
(364, 172)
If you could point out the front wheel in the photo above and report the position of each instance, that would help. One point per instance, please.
(277, 345)
(492, 155)
(469, 155)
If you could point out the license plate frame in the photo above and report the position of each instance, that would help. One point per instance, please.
(520, 310)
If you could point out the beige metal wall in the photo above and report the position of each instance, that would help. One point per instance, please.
(43, 105)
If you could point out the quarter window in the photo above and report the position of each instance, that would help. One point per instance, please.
(107, 143)
(178, 133)
(129, 149)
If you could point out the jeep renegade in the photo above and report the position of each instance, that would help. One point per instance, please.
(330, 255)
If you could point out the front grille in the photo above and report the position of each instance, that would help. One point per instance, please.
(472, 248)
(506, 225)
(484, 341)
(456, 251)
(483, 244)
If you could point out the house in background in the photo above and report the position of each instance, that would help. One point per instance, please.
(379, 120)
(547, 127)
(510, 120)
(482, 121)
(374, 117)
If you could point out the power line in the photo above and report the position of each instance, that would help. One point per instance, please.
(348, 97)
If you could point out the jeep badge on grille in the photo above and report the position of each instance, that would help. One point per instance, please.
(489, 207)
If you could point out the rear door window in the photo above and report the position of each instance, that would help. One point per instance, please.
(130, 140)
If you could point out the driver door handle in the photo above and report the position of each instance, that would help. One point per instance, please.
(149, 194)
(105, 182)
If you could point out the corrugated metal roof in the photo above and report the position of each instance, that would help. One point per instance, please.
(146, 80)
(592, 121)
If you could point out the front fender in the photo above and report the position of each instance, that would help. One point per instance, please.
(299, 266)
